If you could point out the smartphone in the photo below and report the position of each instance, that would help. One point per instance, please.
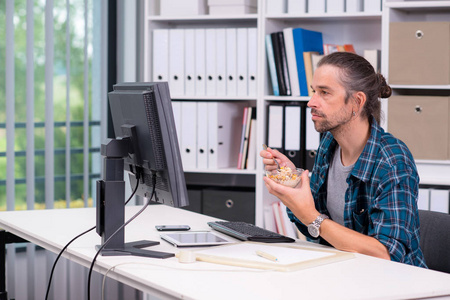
(172, 227)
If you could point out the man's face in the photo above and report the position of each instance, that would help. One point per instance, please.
(328, 108)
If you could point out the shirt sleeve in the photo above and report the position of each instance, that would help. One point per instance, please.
(392, 217)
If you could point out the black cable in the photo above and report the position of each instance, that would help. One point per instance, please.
(81, 234)
(119, 229)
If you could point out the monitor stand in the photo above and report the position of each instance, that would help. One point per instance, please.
(111, 205)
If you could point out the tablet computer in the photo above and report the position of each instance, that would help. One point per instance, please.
(194, 239)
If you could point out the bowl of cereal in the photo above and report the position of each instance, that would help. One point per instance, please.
(285, 176)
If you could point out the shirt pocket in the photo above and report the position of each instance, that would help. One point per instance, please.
(360, 221)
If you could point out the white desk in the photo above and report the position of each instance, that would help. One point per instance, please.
(363, 277)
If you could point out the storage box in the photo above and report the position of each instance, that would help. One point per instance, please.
(229, 7)
(422, 123)
(183, 7)
(419, 53)
(229, 205)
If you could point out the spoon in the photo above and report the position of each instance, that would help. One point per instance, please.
(278, 165)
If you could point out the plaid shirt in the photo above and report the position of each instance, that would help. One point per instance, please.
(381, 198)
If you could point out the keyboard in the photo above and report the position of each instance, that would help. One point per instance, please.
(249, 232)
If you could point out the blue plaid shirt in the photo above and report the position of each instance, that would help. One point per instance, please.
(381, 198)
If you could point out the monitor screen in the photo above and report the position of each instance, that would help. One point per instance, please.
(148, 107)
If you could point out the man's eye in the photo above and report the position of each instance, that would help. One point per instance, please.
(324, 93)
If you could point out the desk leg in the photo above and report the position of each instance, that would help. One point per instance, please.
(6, 238)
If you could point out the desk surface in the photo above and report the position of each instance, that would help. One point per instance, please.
(363, 277)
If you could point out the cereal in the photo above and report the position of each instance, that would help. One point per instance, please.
(285, 176)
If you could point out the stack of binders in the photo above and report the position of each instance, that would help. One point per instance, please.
(206, 62)
(206, 133)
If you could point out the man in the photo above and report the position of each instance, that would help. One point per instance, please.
(363, 189)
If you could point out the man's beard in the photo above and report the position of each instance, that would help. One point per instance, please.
(325, 124)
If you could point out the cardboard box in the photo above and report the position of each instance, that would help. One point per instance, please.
(422, 123)
(183, 7)
(419, 53)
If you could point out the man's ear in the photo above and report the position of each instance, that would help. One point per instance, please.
(360, 100)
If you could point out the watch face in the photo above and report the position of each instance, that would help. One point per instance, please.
(313, 231)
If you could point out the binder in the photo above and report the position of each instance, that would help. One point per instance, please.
(161, 55)
(291, 61)
(352, 6)
(275, 125)
(279, 53)
(312, 141)
(210, 56)
(335, 6)
(276, 6)
(224, 120)
(200, 62)
(317, 6)
(231, 70)
(176, 108)
(372, 6)
(271, 63)
(189, 134)
(297, 7)
(189, 61)
(439, 200)
(252, 59)
(294, 134)
(176, 62)
(305, 40)
(221, 62)
(423, 201)
(242, 62)
(202, 135)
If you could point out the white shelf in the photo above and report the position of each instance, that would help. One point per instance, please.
(422, 6)
(421, 87)
(205, 18)
(328, 17)
(221, 171)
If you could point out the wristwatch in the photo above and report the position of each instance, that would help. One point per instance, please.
(314, 227)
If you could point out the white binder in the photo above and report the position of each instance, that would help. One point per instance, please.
(317, 6)
(242, 64)
(335, 6)
(176, 62)
(221, 62)
(423, 202)
(275, 127)
(160, 55)
(231, 70)
(352, 6)
(176, 108)
(439, 200)
(252, 61)
(202, 135)
(200, 62)
(372, 6)
(312, 136)
(296, 7)
(189, 62)
(291, 61)
(189, 134)
(224, 121)
(210, 55)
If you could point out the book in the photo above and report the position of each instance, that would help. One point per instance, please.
(307, 56)
(291, 61)
(374, 57)
(251, 156)
(241, 148)
(305, 40)
(279, 53)
(249, 115)
(271, 63)
(315, 58)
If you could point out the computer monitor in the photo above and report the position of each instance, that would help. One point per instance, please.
(145, 145)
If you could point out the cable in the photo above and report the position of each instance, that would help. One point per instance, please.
(119, 229)
(81, 234)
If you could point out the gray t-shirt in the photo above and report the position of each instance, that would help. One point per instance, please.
(336, 187)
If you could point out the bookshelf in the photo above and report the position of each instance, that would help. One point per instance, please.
(362, 29)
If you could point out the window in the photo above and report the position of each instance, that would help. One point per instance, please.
(52, 99)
